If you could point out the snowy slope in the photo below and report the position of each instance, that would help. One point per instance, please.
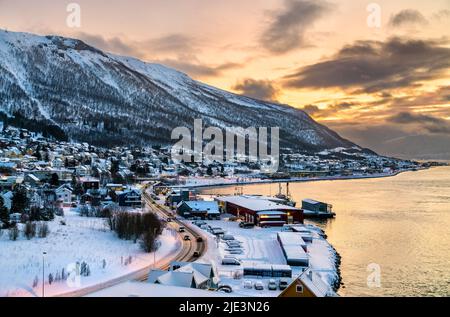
(113, 100)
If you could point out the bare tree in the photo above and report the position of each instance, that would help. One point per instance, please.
(13, 232)
(30, 230)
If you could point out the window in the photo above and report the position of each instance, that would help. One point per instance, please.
(299, 289)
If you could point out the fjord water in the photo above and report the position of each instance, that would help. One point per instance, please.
(400, 223)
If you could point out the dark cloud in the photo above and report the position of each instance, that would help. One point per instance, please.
(329, 110)
(312, 110)
(427, 122)
(288, 26)
(113, 45)
(390, 139)
(173, 43)
(195, 69)
(180, 50)
(407, 18)
(373, 66)
(258, 89)
(442, 15)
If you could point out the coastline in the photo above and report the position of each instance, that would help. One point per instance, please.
(338, 282)
(294, 180)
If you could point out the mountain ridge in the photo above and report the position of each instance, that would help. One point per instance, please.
(107, 99)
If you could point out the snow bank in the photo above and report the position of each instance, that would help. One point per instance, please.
(80, 240)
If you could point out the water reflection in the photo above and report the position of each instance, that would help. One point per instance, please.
(400, 223)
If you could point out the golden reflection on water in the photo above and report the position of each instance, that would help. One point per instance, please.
(401, 223)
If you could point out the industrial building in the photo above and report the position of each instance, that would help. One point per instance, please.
(262, 212)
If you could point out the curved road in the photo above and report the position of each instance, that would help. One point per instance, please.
(186, 254)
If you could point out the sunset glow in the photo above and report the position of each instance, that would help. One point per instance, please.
(313, 55)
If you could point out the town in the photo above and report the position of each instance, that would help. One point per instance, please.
(135, 217)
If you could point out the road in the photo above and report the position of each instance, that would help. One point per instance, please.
(196, 243)
(186, 254)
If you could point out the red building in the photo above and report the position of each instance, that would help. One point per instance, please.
(260, 210)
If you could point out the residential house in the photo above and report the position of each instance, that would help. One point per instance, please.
(130, 198)
(89, 183)
(177, 196)
(308, 284)
(184, 274)
(64, 194)
(199, 209)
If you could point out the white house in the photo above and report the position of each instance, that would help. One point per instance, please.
(57, 163)
(64, 194)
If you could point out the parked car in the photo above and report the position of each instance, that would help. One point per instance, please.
(217, 231)
(187, 238)
(199, 223)
(230, 257)
(227, 237)
(235, 251)
(273, 286)
(182, 229)
(259, 286)
(225, 288)
(234, 246)
(248, 284)
(196, 254)
(283, 284)
(227, 261)
(246, 225)
(199, 239)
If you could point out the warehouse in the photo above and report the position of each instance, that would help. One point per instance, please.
(294, 249)
(261, 212)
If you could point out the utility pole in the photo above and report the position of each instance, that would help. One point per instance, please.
(43, 274)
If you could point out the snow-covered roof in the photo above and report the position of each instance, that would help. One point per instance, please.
(315, 284)
(256, 204)
(209, 206)
(203, 268)
(312, 201)
(139, 289)
(154, 275)
(175, 278)
(271, 213)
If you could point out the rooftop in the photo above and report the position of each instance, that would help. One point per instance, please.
(256, 204)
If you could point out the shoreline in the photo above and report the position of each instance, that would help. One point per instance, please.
(338, 282)
(294, 180)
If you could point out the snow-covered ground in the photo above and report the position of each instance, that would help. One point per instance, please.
(80, 240)
(261, 246)
(212, 181)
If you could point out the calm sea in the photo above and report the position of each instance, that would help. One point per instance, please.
(400, 225)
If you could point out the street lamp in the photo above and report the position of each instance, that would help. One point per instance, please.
(43, 273)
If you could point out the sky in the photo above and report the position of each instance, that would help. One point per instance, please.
(376, 72)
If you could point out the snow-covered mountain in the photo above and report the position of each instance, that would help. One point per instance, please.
(89, 95)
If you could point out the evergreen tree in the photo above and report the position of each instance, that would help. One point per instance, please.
(4, 214)
(54, 181)
(20, 200)
(13, 232)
